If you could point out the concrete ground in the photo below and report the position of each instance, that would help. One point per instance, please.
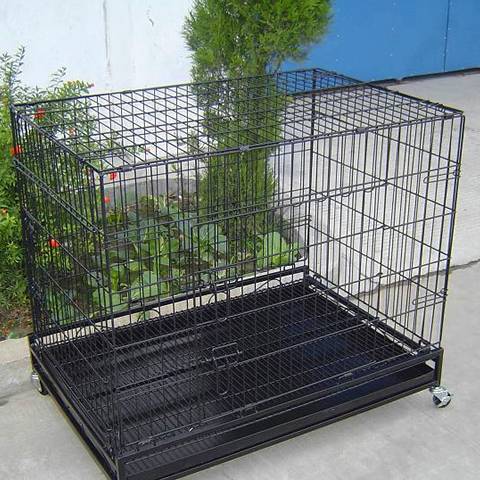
(407, 439)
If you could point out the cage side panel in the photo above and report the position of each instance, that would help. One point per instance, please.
(384, 216)
(61, 216)
(58, 171)
(56, 278)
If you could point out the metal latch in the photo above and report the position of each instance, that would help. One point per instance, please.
(225, 355)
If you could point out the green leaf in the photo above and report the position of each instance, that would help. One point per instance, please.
(164, 260)
(148, 285)
(133, 235)
(206, 256)
(221, 244)
(60, 307)
(177, 273)
(294, 252)
(203, 233)
(174, 245)
(135, 266)
(101, 298)
(116, 275)
(276, 251)
(117, 255)
(143, 315)
(95, 280)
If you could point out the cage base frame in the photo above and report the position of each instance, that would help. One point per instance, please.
(408, 378)
(325, 406)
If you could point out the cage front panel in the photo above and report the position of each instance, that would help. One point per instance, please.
(205, 256)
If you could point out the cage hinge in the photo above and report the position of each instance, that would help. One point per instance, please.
(345, 376)
(361, 129)
(430, 298)
(249, 409)
(244, 148)
(125, 168)
(145, 441)
(442, 177)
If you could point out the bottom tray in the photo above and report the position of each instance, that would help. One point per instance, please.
(196, 388)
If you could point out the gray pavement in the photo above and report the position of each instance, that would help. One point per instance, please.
(406, 439)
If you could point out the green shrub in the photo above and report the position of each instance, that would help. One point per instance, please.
(12, 276)
(233, 38)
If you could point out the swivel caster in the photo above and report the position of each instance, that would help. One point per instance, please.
(441, 396)
(37, 383)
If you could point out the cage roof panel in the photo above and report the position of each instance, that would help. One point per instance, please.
(136, 128)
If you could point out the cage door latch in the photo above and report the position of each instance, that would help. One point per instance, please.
(225, 355)
(224, 358)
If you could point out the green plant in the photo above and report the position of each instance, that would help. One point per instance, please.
(273, 251)
(12, 276)
(156, 248)
(232, 38)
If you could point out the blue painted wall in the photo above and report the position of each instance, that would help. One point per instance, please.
(380, 39)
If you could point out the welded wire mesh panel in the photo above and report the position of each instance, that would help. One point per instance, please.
(202, 254)
(389, 219)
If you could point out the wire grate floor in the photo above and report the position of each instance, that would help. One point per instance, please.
(215, 267)
(278, 345)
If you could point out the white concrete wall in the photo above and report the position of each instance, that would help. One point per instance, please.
(116, 44)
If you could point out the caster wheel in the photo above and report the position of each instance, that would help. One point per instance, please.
(37, 383)
(441, 396)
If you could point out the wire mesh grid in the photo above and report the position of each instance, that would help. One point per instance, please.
(204, 253)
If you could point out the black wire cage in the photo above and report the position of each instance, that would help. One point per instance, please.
(215, 267)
